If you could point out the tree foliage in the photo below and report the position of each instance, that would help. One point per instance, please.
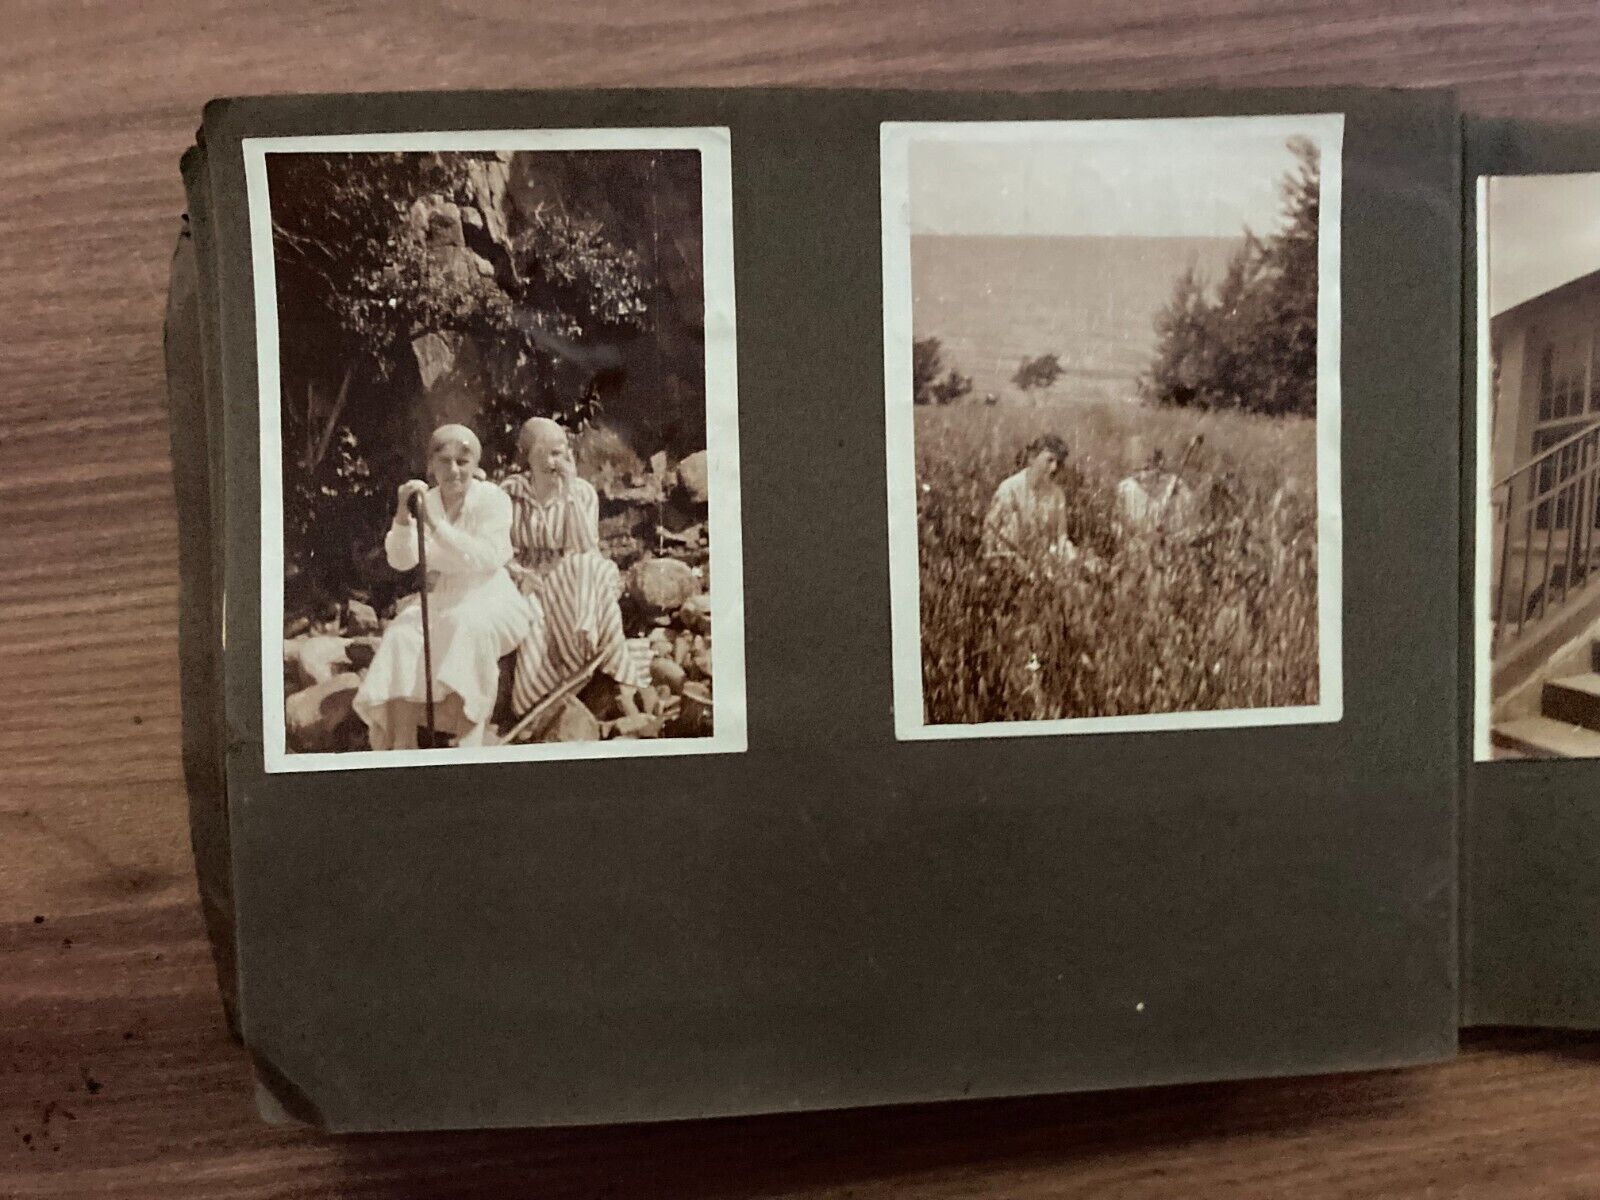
(1040, 372)
(1252, 345)
(931, 383)
(373, 253)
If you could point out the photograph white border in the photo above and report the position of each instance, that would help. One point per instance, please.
(1482, 517)
(730, 734)
(895, 140)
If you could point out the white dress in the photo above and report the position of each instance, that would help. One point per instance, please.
(1155, 501)
(475, 613)
(1025, 524)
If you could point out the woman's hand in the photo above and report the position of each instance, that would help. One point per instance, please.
(408, 489)
(567, 465)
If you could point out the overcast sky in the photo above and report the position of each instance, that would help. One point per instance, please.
(1105, 178)
(1544, 230)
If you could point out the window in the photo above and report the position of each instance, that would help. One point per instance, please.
(1563, 380)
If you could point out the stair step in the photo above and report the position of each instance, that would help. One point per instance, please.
(1541, 737)
(1574, 700)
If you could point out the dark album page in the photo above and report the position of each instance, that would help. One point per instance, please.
(749, 601)
(1531, 918)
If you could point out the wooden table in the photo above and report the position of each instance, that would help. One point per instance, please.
(116, 1076)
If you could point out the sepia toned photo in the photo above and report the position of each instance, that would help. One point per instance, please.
(1112, 389)
(1538, 460)
(499, 458)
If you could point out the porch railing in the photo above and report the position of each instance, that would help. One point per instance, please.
(1545, 515)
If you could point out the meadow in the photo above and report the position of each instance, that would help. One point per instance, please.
(1220, 615)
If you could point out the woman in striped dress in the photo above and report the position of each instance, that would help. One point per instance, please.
(555, 536)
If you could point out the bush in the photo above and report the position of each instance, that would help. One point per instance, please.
(927, 386)
(1038, 372)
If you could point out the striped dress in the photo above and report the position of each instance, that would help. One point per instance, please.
(558, 562)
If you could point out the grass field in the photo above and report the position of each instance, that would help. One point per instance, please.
(1224, 616)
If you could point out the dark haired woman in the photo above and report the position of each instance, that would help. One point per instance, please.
(1026, 526)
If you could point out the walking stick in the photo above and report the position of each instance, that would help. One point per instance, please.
(427, 641)
(1177, 476)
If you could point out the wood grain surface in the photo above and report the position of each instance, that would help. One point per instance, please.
(117, 1078)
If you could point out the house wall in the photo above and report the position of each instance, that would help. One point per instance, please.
(1568, 318)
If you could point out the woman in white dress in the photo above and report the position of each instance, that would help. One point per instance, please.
(475, 613)
(555, 533)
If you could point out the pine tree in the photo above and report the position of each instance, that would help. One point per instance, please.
(1252, 346)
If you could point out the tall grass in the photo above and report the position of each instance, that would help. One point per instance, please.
(1223, 615)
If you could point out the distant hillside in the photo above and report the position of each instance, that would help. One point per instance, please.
(1092, 301)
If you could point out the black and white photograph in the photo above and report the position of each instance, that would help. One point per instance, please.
(1112, 394)
(499, 456)
(1538, 484)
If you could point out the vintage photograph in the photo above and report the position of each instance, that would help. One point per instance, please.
(1538, 461)
(1113, 410)
(499, 455)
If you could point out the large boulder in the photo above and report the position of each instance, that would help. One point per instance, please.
(659, 586)
(314, 716)
(694, 478)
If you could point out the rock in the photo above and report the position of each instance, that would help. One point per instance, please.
(617, 490)
(439, 222)
(695, 718)
(359, 652)
(691, 537)
(664, 672)
(641, 725)
(360, 619)
(436, 356)
(660, 585)
(693, 477)
(312, 717)
(700, 662)
(573, 723)
(695, 613)
(316, 659)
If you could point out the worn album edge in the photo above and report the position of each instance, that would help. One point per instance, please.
(190, 348)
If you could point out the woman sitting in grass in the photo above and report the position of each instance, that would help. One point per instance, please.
(1027, 524)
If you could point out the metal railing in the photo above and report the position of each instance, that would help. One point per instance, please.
(1545, 517)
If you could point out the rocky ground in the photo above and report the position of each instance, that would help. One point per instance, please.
(653, 526)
